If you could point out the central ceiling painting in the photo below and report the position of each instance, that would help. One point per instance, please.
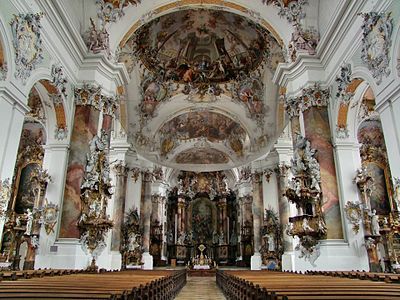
(201, 45)
(201, 96)
(210, 126)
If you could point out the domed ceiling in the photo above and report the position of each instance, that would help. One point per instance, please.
(201, 45)
(201, 97)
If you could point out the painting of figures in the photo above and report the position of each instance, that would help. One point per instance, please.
(212, 126)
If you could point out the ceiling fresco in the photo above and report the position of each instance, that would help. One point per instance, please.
(200, 45)
(207, 125)
(202, 76)
(202, 156)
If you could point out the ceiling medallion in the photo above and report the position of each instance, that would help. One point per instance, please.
(377, 30)
(27, 44)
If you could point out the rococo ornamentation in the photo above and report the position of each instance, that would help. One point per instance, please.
(96, 190)
(27, 43)
(303, 40)
(5, 194)
(377, 31)
(291, 9)
(354, 214)
(59, 80)
(49, 217)
(310, 97)
(132, 240)
(3, 71)
(305, 192)
(272, 247)
(90, 94)
(112, 10)
(97, 40)
(343, 80)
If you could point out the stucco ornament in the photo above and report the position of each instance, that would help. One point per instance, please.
(377, 30)
(3, 71)
(292, 10)
(59, 79)
(49, 216)
(354, 214)
(27, 43)
(343, 80)
(112, 10)
(5, 194)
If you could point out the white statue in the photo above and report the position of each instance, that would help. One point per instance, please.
(375, 223)
(306, 226)
(133, 243)
(289, 228)
(271, 242)
(29, 221)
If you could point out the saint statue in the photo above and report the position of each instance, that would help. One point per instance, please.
(375, 223)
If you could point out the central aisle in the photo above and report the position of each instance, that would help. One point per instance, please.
(200, 288)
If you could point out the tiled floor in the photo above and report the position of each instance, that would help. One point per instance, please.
(200, 288)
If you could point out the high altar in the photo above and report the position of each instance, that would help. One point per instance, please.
(202, 226)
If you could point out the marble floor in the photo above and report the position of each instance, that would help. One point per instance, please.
(200, 288)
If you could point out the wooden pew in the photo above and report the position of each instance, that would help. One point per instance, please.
(284, 285)
(106, 285)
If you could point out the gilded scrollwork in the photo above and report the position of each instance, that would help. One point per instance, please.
(49, 217)
(354, 215)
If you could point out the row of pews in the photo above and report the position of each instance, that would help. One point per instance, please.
(269, 285)
(363, 275)
(70, 284)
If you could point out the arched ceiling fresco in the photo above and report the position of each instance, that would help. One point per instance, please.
(201, 45)
(201, 95)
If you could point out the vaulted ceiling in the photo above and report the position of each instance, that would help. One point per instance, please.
(201, 95)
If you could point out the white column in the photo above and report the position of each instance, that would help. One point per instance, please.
(389, 112)
(354, 256)
(64, 254)
(12, 113)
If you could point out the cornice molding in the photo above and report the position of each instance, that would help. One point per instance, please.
(71, 39)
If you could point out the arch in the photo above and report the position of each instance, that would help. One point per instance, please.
(395, 53)
(6, 48)
(179, 5)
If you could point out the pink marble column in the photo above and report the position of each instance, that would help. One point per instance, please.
(257, 209)
(119, 205)
(147, 208)
(86, 121)
(317, 128)
(284, 208)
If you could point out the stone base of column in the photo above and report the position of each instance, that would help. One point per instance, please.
(288, 260)
(115, 260)
(335, 255)
(147, 260)
(255, 263)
